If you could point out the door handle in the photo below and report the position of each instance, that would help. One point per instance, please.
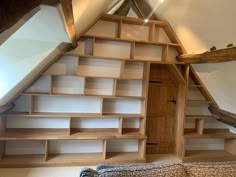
(173, 100)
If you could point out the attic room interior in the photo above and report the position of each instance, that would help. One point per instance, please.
(85, 83)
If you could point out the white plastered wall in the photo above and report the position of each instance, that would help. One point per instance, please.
(201, 25)
(28, 50)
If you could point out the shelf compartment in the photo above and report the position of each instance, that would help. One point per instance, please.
(129, 88)
(148, 52)
(112, 29)
(26, 161)
(122, 106)
(130, 126)
(94, 125)
(135, 32)
(67, 85)
(208, 155)
(75, 150)
(18, 122)
(41, 85)
(133, 70)
(64, 104)
(133, 148)
(75, 159)
(24, 148)
(98, 67)
(98, 86)
(66, 65)
(112, 48)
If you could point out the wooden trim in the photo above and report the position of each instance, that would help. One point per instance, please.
(180, 113)
(120, 125)
(46, 155)
(114, 87)
(151, 32)
(222, 55)
(67, 9)
(31, 105)
(132, 50)
(120, 29)
(142, 148)
(199, 126)
(104, 151)
(223, 116)
(124, 8)
(9, 32)
(165, 49)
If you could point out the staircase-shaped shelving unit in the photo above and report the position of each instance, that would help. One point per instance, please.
(89, 107)
(205, 138)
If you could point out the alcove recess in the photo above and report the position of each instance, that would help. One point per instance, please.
(89, 107)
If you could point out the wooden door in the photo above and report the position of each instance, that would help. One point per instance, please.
(161, 110)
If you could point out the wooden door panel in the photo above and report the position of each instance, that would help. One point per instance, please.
(160, 112)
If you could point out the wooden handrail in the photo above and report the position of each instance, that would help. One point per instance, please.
(223, 116)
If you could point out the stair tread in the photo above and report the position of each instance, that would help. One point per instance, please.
(200, 116)
(209, 133)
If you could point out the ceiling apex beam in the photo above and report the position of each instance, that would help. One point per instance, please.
(146, 10)
(124, 8)
(222, 55)
(136, 9)
(69, 20)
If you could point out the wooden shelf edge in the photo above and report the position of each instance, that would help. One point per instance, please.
(129, 40)
(72, 115)
(60, 160)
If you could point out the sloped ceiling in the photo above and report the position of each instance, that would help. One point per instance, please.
(201, 25)
(86, 11)
(28, 50)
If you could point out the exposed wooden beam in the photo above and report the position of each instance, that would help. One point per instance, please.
(222, 55)
(69, 20)
(146, 9)
(11, 11)
(124, 8)
(136, 9)
(10, 31)
(223, 116)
